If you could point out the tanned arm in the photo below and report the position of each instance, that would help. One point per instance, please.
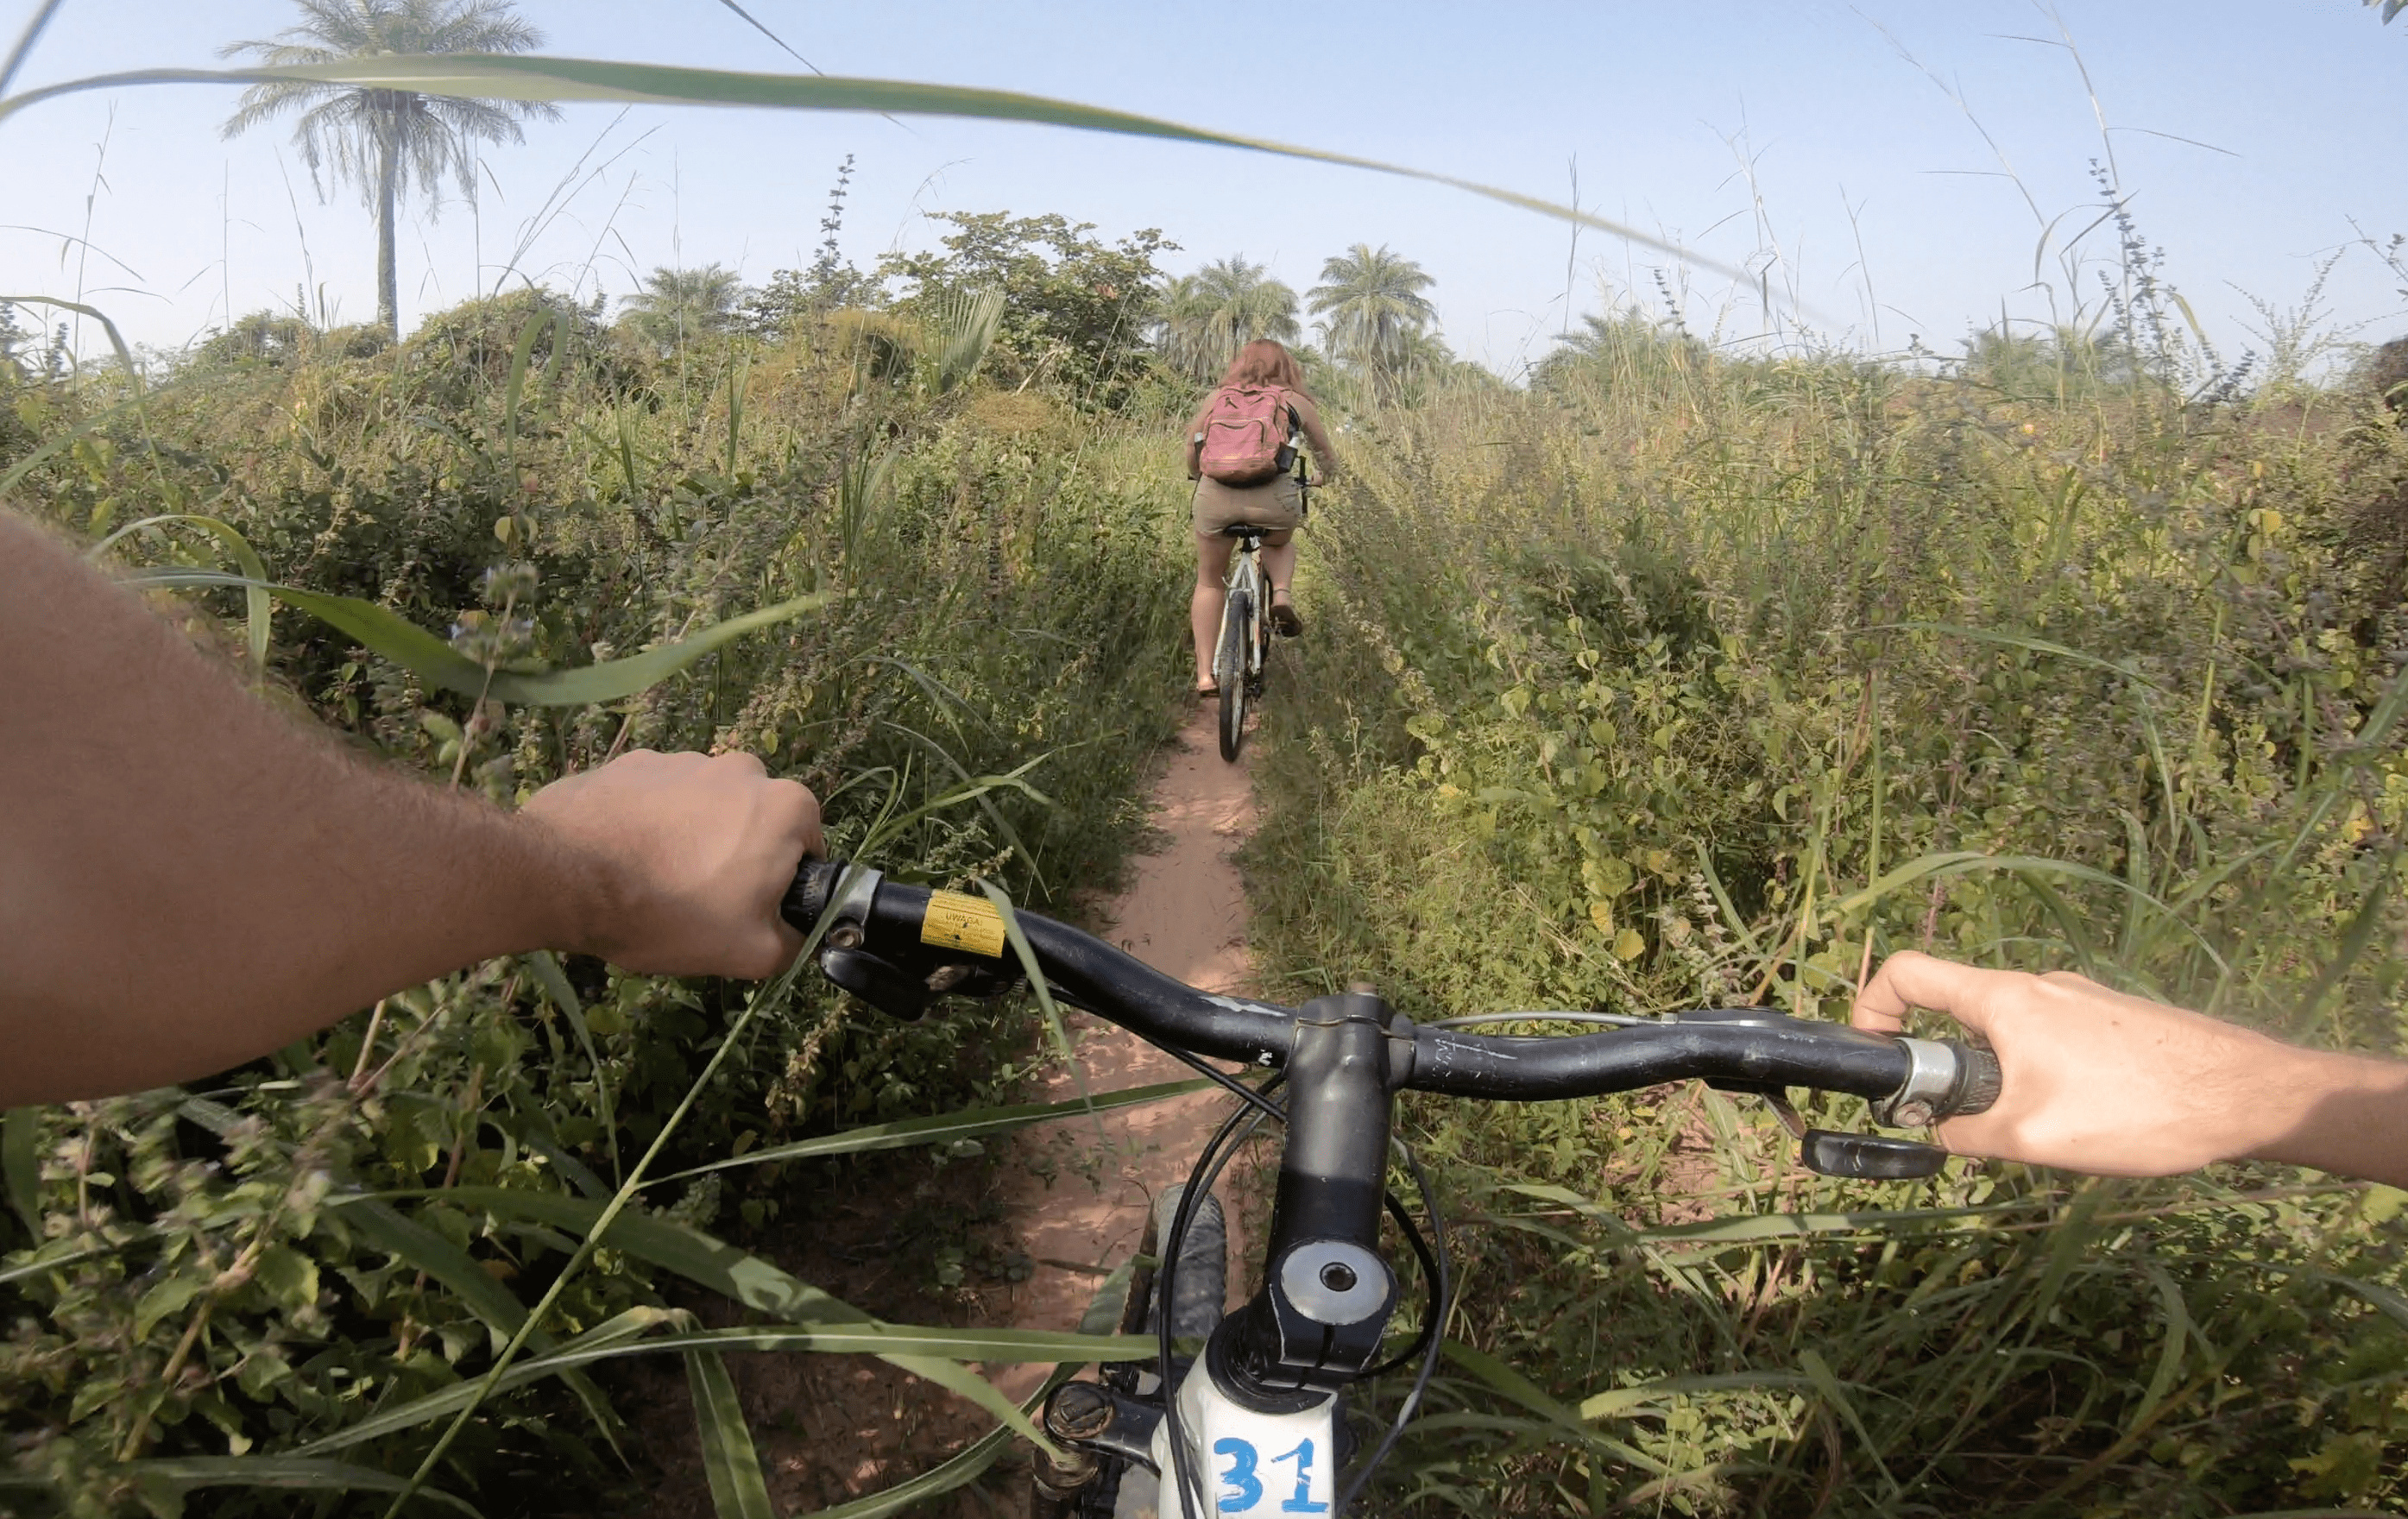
(1325, 453)
(189, 881)
(2101, 1082)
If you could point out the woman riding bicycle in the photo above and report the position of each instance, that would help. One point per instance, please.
(1263, 374)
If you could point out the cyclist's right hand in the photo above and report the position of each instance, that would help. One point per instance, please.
(2098, 1080)
(688, 856)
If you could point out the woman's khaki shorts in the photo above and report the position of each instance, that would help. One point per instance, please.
(1278, 503)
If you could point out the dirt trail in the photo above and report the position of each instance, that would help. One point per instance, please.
(1072, 1201)
(1075, 1201)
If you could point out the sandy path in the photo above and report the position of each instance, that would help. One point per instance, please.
(1077, 1199)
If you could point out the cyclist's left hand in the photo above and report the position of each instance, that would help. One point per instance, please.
(689, 855)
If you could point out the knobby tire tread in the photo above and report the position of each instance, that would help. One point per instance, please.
(1232, 674)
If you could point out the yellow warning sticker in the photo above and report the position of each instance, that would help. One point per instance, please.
(962, 923)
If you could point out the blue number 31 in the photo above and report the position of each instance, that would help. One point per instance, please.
(1248, 1488)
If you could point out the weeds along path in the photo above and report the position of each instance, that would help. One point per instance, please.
(1076, 1193)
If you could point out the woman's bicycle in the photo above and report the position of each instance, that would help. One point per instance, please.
(1254, 1424)
(1243, 647)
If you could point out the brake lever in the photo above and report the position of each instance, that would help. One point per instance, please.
(1868, 1157)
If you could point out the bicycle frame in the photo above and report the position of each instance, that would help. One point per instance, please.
(1260, 1405)
(1245, 574)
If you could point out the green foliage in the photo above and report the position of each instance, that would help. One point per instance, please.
(1076, 311)
(1374, 316)
(1706, 679)
(1209, 315)
(318, 1255)
(382, 140)
(679, 307)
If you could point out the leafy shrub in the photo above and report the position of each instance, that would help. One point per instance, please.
(1710, 682)
(252, 1265)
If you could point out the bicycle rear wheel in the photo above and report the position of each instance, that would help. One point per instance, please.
(1229, 669)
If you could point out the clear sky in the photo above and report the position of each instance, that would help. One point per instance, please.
(1790, 134)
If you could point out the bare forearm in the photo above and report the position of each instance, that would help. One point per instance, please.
(187, 880)
(2346, 1114)
(2102, 1082)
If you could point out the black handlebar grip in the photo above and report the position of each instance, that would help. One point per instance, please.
(1978, 1080)
(808, 897)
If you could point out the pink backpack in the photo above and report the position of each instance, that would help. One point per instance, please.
(1247, 433)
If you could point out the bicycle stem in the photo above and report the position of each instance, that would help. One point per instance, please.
(1315, 1325)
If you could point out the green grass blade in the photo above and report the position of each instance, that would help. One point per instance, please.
(1109, 1309)
(1035, 974)
(495, 1305)
(975, 1123)
(729, 1461)
(2018, 640)
(546, 968)
(20, 1165)
(423, 654)
(2169, 1357)
(888, 1341)
(1503, 1378)
(421, 1247)
(594, 1345)
(1961, 862)
(115, 339)
(36, 1268)
(962, 1382)
(627, 459)
(705, 1261)
(484, 77)
(259, 607)
(62, 441)
(958, 1471)
(171, 1479)
(1835, 1394)
(940, 1354)
(1621, 1401)
(2355, 936)
(515, 387)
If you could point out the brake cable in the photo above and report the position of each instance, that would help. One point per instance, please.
(1434, 1328)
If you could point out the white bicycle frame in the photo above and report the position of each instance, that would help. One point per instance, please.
(1250, 1463)
(1244, 574)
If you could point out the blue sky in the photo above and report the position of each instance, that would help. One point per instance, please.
(1793, 135)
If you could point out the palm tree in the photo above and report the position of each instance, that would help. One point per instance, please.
(1210, 314)
(1372, 308)
(679, 305)
(386, 141)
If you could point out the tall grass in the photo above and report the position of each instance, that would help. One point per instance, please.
(1688, 679)
(394, 1257)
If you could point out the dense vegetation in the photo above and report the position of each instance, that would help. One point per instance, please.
(1689, 678)
(975, 654)
(1668, 676)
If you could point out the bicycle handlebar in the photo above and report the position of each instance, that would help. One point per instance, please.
(892, 943)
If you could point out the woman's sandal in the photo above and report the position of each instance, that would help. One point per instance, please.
(1207, 693)
(1285, 621)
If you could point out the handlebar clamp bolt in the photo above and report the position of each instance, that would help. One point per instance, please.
(1913, 1115)
(845, 937)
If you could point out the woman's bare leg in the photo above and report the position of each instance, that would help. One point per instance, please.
(1279, 566)
(1204, 607)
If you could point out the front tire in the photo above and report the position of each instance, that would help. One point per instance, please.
(1200, 1289)
(1231, 672)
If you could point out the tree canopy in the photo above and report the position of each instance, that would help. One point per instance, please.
(388, 142)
